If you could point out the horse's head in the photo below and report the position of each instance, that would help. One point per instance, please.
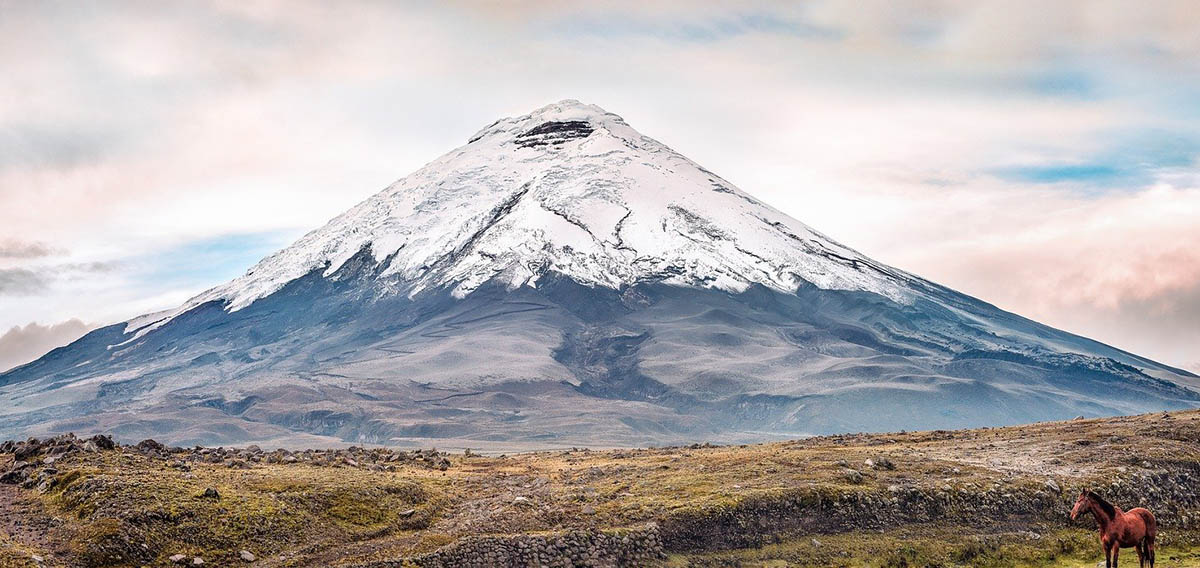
(1081, 504)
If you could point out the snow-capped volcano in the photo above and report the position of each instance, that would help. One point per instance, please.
(569, 189)
(563, 279)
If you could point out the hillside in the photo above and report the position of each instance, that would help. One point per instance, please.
(986, 497)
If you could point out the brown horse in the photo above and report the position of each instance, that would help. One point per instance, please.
(1135, 528)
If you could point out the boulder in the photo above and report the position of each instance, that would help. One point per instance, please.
(13, 477)
(880, 462)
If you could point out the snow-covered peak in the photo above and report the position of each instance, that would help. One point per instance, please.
(570, 189)
(568, 110)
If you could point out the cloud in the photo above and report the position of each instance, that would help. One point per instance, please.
(1120, 267)
(27, 282)
(1129, 160)
(19, 281)
(20, 345)
(687, 27)
(12, 248)
(138, 282)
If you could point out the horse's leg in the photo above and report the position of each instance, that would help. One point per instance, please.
(1116, 554)
(1108, 559)
(1150, 550)
(1141, 552)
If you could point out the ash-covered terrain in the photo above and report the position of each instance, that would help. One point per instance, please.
(564, 280)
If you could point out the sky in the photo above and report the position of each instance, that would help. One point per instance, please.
(1042, 156)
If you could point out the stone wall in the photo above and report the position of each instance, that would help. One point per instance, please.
(1174, 496)
(592, 548)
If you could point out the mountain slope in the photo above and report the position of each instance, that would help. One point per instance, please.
(562, 279)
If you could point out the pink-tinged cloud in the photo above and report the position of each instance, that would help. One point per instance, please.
(1123, 268)
(20, 345)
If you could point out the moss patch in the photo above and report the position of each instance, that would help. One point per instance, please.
(131, 514)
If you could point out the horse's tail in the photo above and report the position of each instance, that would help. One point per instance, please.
(1151, 532)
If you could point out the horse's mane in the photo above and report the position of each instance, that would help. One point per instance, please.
(1104, 505)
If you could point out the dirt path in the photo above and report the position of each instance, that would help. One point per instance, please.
(28, 530)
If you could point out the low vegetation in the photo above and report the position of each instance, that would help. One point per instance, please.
(986, 497)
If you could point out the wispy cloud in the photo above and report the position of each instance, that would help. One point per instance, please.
(1085, 173)
(34, 281)
(1130, 160)
(622, 24)
(12, 248)
(20, 345)
(21, 282)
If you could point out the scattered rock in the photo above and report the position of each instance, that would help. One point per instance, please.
(407, 513)
(1053, 487)
(150, 447)
(853, 476)
(880, 462)
(14, 477)
(210, 493)
(643, 547)
(247, 556)
(178, 558)
(197, 561)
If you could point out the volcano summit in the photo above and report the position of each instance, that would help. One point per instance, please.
(563, 280)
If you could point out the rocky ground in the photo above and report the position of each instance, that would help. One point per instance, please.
(986, 497)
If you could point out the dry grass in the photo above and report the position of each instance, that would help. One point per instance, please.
(111, 504)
